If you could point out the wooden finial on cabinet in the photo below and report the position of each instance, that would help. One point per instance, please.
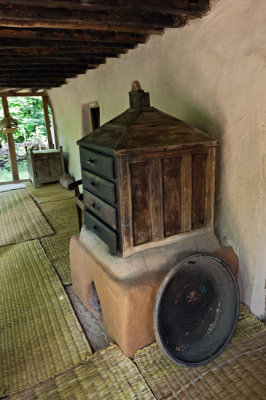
(135, 85)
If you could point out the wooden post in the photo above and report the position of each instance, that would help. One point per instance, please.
(54, 122)
(47, 121)
(11, 143)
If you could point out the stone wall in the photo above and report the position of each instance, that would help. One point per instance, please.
(212, 74)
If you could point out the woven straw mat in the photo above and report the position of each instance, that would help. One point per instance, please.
(238, 372)
(20, 218)
(49, 192)
(57, 250)
(62, 216)
(108, 375)
(40, 334)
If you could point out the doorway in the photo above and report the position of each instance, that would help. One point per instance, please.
(90, 117)
(34, 130)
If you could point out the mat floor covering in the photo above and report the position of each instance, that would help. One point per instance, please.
(21, 218)
(40, 334)
(49, 192)
(45, 354)
(238, 372)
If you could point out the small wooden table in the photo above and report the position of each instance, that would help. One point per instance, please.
(45, 165)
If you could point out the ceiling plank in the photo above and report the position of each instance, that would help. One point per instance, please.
(42, 82)
(44, 17)
(173, 7)
(73, 35)
(47, 24)
(45, 51)
(36, 75)
(14, 92)
(30, 84)
(41, 71)
(81, 59)
(69, 46)
(35, 13)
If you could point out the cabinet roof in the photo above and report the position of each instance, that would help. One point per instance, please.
(144, 127)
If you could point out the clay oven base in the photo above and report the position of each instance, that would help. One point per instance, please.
(127, 287)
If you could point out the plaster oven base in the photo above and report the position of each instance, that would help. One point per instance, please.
(127, 287)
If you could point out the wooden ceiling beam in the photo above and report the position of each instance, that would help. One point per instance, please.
(34, 15)
(64, 24)
(15, 92)
(45, 51)
(15, 82)
(36, 74)
(81, 59)
(6, 44)
(4, 70)
(30, 88)
(173, 7)
(73, 35)
(32, 84)
(43, 43)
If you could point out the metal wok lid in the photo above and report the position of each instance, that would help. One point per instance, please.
(196, 310)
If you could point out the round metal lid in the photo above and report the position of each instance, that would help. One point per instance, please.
(196, 310)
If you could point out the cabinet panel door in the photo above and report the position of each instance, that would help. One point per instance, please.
(55, 168)
(172, 195)
(198, 190)
(141, 201)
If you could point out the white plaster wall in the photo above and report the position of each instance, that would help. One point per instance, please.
(211, 74)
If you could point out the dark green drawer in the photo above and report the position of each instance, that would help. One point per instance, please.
(99, 186)
(98, 163)
(103, 210)
(101, 230)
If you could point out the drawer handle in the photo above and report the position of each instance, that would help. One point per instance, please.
(93, 184)
(91, 161)
(96, 228)
(95, 206)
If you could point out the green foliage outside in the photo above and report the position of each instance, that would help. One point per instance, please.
(31, 131)
(29, 113)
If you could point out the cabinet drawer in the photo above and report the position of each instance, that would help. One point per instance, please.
(96, 162)
(103, 210)
(99, 186)
(102, 231)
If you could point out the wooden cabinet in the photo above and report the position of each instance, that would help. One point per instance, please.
(45, 165)
(147, 177)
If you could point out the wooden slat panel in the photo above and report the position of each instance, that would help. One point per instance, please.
(125, 202)
(141, 202)
(210, 186)
(198, 189)
(186, 183)
(172, 195)
(157, 200)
